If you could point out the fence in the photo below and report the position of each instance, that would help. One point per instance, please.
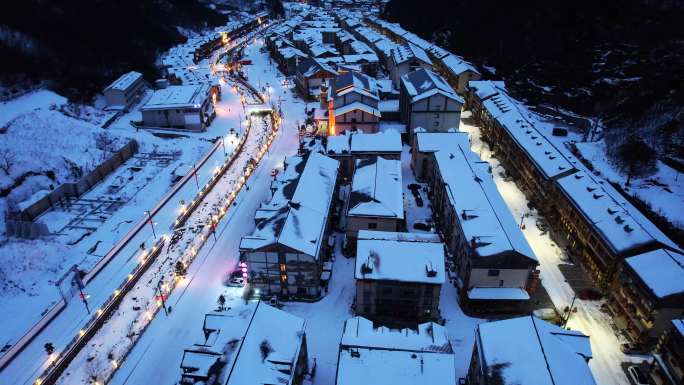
(22, 224)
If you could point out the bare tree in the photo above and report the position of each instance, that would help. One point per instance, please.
(636, 158)
(105, 143)
(7, 159)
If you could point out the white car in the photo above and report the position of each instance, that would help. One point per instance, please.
(237, 282)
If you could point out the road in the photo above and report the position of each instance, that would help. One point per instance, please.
(163, 342)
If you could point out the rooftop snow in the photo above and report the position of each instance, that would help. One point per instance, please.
(408, 51)
(595, 199)
(356, 106)
(178, 97)
(549, 160)
(298, 221)
(360, 332)
(124, 81)
(353, 81)
(498, 293)
(377, 189)
(457, 65)
(403, 257)
(485, 89)
(660, 270)
(416, 357)
(441, 141)
(422, 83)
(484, 217)
(388, 141)
(529, 351)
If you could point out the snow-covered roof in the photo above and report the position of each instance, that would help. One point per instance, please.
(485, 89)
(189, 96)
(388, 141)
(548, 159)
(457, 65)
(407, 51)
(353, 81)
(196, 363)
(357, 105)
(124, 81)
(282, 333)
(297, 222)
(377, 189)
(310, 66)
(661, 271)
(486, 221)
(360, 332)
(288, 52)
(404, 257)
(440, 141)
(403, 357)
(423, 83)
(679, 326)
(616, 225)
(498, 293)
(529, 351)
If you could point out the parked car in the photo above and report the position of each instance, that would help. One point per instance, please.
(236, 282)
(632, 348)
(637, 376)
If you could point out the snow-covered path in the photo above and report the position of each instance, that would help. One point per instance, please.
(166, 337)
(589, 319)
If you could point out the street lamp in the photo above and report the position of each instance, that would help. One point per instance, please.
(149, 220)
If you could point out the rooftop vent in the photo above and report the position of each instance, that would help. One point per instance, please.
(590, 188)
(597, 195)
(628, 228)
(619, 219)
(366, 269)
(612, 211)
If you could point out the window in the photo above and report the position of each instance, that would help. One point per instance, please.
(372, 225)
(493, 273)
(501, 283)
(436, 124)
(436, 115)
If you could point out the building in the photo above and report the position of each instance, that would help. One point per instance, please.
(407, 58)
(457, 72)
(255, 344)
(350, 146)
(286, 251)
(125, 91)
(426, 100)
(647, 294)
(375, 201)
(426, 144)
(353, 104)
(495, 266)
(311, 74)
(398, 275)
(600, 227)
(529, 351)
(383, 356)
(179, 107)
(667, 368)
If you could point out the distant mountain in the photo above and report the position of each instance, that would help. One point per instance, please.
(81, 45)
(622, 61)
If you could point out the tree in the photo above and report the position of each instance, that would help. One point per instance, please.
(105, 143)
(7, 159)
(180, 269)
(221, 302)
(636, 158)
(49, 348)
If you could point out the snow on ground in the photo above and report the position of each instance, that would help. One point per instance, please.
(42, 100)
(664, 190)
(589, 318)
(414, 213)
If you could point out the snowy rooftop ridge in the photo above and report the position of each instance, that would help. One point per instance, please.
(297, 219)
(383, 356)
(353, 81)
(405, 257)
(408, 51)
(124, 81)
(189, 96)
(457, 65)
(614, 218)
(661, 271)
(423, 83)
(376, 189)
(484, 217)
(529, 351)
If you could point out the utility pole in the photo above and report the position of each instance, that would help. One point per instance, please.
(567, 317)
(161, 295)
(149, 220)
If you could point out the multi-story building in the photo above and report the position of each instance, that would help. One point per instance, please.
(647, 294)
(529, 351)
(353, 103)
(398, 275)
(285, 252)
(350, 146)
(495, 266)
(376, 198)
(667, 368)
(426, 100)
(425, 144)
(311, 75)
(124, 91)
(186, 107)
(457, 72)
(252, 344)
(384, 356)
(407, 58)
